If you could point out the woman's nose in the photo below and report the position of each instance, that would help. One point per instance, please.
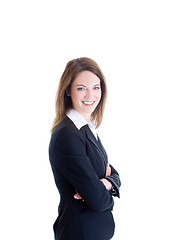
(88, 94)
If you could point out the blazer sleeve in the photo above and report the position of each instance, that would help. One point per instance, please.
(68, 152)
(115, 180)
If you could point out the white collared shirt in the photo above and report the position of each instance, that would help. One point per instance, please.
(79, 121)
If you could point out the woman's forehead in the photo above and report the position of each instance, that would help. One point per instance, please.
(86, 77)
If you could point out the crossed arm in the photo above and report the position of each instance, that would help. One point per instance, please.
(107, 183)
(67, 153)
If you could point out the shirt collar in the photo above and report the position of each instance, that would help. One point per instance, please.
(78, 119)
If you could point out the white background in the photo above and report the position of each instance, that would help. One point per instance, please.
(132, 41)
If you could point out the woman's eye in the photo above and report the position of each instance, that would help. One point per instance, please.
(96, 88)
(80, 89)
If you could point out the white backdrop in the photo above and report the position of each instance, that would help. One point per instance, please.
(132, 43)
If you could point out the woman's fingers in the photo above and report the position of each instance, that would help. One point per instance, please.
(77, 196)
(107, 184)
(108, 170)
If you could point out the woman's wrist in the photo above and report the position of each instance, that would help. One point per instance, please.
(107, 184)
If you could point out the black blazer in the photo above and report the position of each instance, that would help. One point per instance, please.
(78, 161)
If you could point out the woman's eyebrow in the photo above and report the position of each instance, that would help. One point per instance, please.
(80, 85)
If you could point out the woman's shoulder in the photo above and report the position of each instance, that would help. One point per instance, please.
(66, 138)
(66, 130)
(65, 126)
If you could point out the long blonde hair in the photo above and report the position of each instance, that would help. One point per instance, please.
(63, 101)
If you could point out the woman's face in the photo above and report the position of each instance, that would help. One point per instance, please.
(85, 93)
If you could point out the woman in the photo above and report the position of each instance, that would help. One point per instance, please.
(85, 180)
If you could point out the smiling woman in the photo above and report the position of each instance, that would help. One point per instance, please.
(85, 180)
(81, 69)
(85, 93)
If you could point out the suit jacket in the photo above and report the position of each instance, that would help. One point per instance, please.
(78, 161)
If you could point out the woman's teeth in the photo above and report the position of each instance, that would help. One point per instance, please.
(89, 102)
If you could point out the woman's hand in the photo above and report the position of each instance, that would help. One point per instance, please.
(77, 196)
(107, 184)
(108, 170)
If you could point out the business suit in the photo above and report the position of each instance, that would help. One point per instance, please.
(78, 161)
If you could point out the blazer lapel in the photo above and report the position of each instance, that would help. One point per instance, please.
(90, 136)
(102, 148)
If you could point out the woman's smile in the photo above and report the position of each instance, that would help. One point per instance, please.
(88, 103)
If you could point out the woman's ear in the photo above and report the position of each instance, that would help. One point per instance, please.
(68, 92)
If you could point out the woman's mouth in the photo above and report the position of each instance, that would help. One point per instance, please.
(88, 103)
